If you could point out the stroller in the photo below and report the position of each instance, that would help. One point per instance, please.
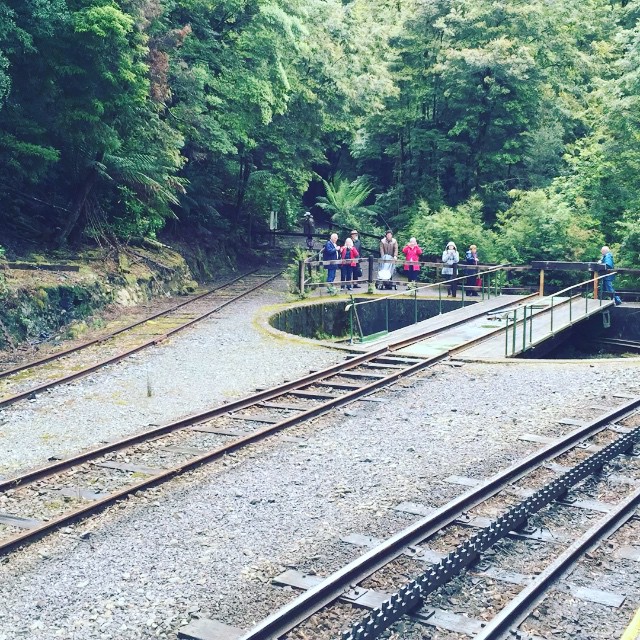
(386, 269)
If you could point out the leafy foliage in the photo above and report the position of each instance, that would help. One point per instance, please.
(511, 125)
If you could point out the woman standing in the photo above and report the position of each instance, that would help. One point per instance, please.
(412, 253)
(349, 255)
(471, 258)
(450, 257)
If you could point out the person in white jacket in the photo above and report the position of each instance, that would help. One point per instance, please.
(450, 257)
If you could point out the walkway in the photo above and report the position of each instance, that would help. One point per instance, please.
(484, 330)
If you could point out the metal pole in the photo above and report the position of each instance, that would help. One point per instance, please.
(524, 329)
(552, 314)
(570, 314)
(370, 276)
(415, 306)
(351, 322)
(387, 313)
(301, 276)
(440, 299)
(531, 325)
(463, 293)
(506, 337)
(515, 320)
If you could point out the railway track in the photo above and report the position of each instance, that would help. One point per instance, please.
(17, 383)
(44, 499)
(533, 495)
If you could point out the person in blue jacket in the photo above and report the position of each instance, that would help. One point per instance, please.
(330, 251)
(607, 281)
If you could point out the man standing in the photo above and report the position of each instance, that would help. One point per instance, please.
(309, 227)
(330, 252)
(389, 245)
(607, 281)
(357, 272)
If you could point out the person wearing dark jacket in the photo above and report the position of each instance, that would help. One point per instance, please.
(331, 251)
(309, 227)
(471, 258)
(357, 273)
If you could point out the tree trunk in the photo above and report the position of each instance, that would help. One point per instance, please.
(79, 201)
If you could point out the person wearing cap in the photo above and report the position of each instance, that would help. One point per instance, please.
(451, 257)
(357, 272)
(309, 227)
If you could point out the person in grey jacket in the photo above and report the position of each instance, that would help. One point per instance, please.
(451, 257)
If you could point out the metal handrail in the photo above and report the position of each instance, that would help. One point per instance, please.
(541, 304)
(352, 306)
(430, 285)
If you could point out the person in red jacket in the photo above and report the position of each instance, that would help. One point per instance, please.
(412, 253)
(349, 254)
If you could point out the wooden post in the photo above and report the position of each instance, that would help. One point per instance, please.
(301, 276)
(595, 285)
(541, 291)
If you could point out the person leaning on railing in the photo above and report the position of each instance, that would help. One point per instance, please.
(607, 281)
(330, 251)
(451, 258)
(412, 253)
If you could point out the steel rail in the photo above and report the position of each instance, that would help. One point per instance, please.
(97, 505)
(412, 594)
(332, 587)
(236, 405)
(243, 403)
(55, 356)
(4, 402)
(499, 627)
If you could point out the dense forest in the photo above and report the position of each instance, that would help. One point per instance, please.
(509, 123)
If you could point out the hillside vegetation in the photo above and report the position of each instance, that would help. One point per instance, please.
(513, 124)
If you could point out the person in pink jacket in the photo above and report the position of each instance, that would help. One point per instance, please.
(349, 255)
(412, 253)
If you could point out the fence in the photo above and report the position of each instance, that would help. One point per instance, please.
(489, 287)
(588, 289)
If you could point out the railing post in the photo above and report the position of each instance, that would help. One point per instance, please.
(387, 313)
(415, 306)
(595, 285)
(440, 299)
(515, 324)
(541, 287)
(351, 322)
(370, 276)
(524, 329)
(506, 337)
(301, 276)
(551, 329)
(531, 325)
(463, 293)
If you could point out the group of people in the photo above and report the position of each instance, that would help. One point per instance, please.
(348, 255)
(345, 258)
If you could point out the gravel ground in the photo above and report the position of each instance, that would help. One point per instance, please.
(208, 544)
(218, 359)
